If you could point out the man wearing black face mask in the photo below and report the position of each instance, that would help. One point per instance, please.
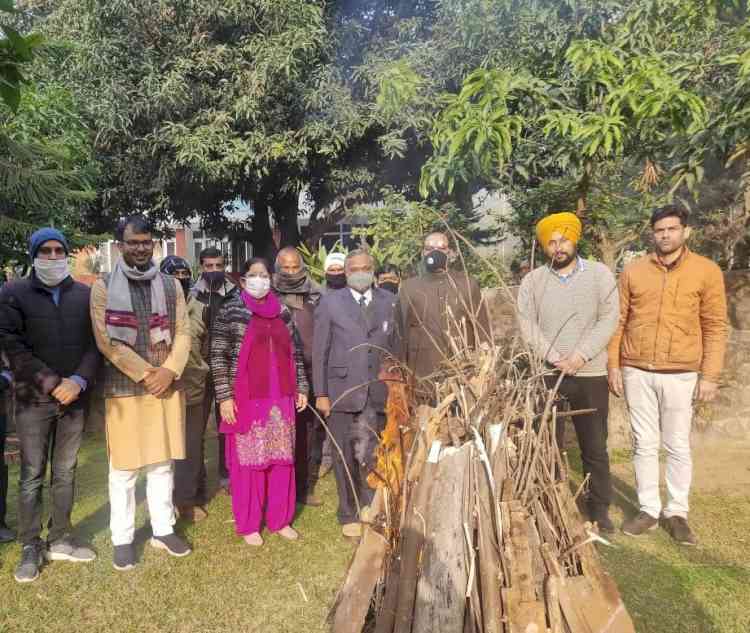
(388, 278)
(334, 271)
(190, 490)
(212, 289)
(433, 305)
(179, 269)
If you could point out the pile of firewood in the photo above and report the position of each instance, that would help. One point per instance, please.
(474, 526)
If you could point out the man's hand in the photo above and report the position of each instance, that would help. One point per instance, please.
(301, 401)
(323, 404)
(614, 377)
(571, 363)
(67, 391)
(158, 380)
(706, 391)
(228, 411)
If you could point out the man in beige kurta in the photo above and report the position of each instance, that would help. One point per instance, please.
(144, 401)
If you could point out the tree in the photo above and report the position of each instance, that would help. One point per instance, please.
(46, 167)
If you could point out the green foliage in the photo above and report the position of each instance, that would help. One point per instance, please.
(315, 259)
(16, 52)
(397, 228)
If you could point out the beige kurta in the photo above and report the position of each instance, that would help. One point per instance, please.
(143, 430)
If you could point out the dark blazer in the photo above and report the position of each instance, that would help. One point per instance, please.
(347, 349)
(425, 325)
(44, 342)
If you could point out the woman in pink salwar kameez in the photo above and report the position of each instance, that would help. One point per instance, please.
(258, 371)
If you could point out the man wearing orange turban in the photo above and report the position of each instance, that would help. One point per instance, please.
(566, 224)
(568, 311)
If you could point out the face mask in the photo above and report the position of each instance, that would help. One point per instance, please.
(360, 281)
(390, 286)
(335, 281)
(435, 261)
(214, 279)
(51, 272)
(185, 283)
(257, 287)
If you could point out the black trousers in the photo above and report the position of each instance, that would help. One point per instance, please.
(43, 429)
(308, 452)
(190, 478)
(588, 392)
(3, 465)
(357, 436)
(222, 461)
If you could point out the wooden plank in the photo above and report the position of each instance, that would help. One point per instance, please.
(489, 556)
(441, 590)
(411, 542)
(353, 600)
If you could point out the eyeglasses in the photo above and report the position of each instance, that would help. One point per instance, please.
(143, 245)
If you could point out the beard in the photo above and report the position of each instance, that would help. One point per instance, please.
(558, 263)
(667, 249)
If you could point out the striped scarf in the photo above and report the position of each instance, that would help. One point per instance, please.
(120, 318)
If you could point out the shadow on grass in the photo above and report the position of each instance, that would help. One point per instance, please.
(669, 588)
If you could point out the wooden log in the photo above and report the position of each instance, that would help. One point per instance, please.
(353, 600)
(387, 615)
(441, 590)
(489, 556)
(526, 612)
(410, 548)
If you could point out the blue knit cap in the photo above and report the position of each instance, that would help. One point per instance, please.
(45, 235)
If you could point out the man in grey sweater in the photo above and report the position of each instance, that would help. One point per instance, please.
(568, 311)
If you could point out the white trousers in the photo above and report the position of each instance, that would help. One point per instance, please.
(661, 414)
(159, 484)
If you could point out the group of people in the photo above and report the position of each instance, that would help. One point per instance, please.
(295, 374)
(276, 359)
(656, 337)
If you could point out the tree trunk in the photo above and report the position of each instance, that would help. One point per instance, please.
(441, 591)
(261, 237)
(285, 212)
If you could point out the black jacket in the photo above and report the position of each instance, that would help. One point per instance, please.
(45, 343)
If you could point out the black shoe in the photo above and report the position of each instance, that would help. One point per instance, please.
(123, 557)
(6, 534)
(172, 543)
(31, 563)
(603, 522)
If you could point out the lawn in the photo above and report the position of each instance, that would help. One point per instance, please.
(225, 586)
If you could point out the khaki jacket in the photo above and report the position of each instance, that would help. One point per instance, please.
(671, 319)
(196, 371)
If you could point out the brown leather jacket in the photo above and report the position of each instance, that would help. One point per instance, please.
(424, 323)
(671, 319)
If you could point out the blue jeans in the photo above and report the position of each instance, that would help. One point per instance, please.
(46, 429)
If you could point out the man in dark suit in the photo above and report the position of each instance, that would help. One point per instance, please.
(435, 305)
(354, 334)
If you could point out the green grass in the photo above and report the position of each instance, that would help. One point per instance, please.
(226, 586)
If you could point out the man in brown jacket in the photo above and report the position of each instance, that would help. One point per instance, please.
(436, 305)
(667, 351)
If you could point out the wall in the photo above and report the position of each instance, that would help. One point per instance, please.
(729, 416)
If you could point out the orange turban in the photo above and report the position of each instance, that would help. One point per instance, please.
(565, 223)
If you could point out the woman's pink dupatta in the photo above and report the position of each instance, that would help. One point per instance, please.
(266, 375)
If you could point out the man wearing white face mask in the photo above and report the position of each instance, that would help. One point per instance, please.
(45, 331)
(353, 337)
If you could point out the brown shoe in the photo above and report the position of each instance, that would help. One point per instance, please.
(352, 530)
(640, 524)
(191, 513)
(679, 530)
(312, 500)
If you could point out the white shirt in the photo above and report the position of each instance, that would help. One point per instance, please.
(358, 295)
